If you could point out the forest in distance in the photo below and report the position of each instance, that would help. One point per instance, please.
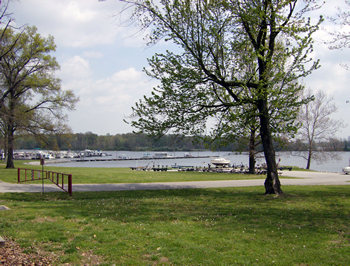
(143, 142)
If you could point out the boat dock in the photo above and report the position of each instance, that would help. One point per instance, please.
(91, 159)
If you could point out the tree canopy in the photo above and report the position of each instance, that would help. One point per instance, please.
(243, 55)
(33, 100)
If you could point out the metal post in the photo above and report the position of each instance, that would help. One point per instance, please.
(42, 162)
(70, 187)
(19, 175)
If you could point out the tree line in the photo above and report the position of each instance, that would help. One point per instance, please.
(144, 142)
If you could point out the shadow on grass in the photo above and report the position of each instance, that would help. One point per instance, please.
(300, 205)
(208, 226)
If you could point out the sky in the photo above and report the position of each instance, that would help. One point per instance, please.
(102, 55)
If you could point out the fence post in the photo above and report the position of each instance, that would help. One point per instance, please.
(19, 175)
(70, 188)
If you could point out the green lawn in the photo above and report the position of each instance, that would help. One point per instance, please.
(308, 226)
(86, 175)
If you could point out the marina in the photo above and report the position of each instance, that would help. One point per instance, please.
(179, 159)
(203, 158)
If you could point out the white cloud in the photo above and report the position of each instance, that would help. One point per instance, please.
(75, 68)
(120, 91)
(127, 75)
(93, 54)
(106, 102)
(73, 23)
(78, 14)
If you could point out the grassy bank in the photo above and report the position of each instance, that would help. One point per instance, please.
(309, 226)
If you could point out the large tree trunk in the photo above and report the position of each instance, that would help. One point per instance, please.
(10, 144)
(308, 164)
(272, 182)
(252, 160)
(10, 135)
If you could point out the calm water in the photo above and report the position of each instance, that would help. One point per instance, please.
(339, 161)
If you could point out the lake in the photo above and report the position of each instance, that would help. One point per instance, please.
(335, 164)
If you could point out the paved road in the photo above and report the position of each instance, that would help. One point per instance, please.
(304, 178)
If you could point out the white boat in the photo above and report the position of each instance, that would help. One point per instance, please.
(346, 170)
(161, 155)
(147, 155)
(91, 153)
(220, 162)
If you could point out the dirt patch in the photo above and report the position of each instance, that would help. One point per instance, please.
(90, 259)
(157, 260)
(12, 254)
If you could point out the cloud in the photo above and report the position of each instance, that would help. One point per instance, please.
(93, 54)
(104, 103)
(87, 33)
(121, 90)
(100, 57)
(72, 23)
(75, 68)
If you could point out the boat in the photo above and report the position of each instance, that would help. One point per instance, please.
(147, 155)
(220, 162)
(161, 155)
(346, 170)
(91, 153)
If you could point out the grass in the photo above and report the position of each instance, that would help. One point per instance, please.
(85, 175)
(308, 226)
(296, 168)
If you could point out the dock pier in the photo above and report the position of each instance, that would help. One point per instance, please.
(138, 159)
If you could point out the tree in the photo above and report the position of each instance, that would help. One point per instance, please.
(317, 123)
(5, 24)
(235, 127)
(35, 101)
(5, 45)
(204, 77)
(342, 37)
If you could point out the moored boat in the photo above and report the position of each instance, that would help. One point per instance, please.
(220, 162)
(346, 170)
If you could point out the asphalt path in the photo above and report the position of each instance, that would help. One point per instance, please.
(301, 178)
